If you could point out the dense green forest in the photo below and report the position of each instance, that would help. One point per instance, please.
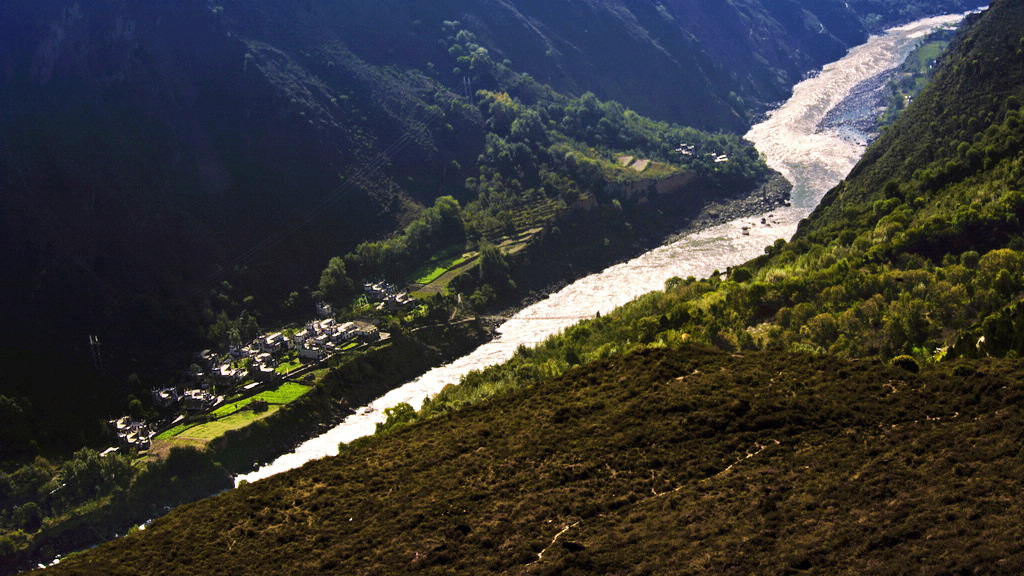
(540, 163)
(847, 402)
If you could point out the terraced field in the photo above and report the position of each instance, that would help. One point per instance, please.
(233, 416)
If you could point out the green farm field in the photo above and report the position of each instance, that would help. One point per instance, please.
(213, 429)
(439, 264)
(233, 416)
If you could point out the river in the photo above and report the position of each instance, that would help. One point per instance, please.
(795, 139)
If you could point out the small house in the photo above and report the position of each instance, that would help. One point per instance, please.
(273, 343)
(301, 336)
(199, 400)
(266, 359)
(165, 397)
(367, 331)
(228, 375)
(314, 353)
(265, 374)
(205, 359)
(378, 291)
(347, 331)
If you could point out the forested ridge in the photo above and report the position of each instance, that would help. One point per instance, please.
(849, 402)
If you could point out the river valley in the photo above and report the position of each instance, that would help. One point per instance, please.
(795, 139)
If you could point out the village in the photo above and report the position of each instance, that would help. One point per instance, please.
(241, 373)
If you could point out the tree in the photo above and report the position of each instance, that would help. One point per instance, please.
(29, 517)
(136, 409)
(248, 328)
(494, 269)
(400, 415)
(529, 128)
(821, 329)
(647, 328)
(335, 285)
(449, 225)
(481, 297)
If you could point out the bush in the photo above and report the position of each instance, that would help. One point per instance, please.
(964, 370)
(740, 275)
(905, 362)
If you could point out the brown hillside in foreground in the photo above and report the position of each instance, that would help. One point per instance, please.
(665, 461)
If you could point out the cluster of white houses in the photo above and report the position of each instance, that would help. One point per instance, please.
(689, 150)
(132, 433)
(196, 392)
(315, 341)
(199, 382)
(388, 296)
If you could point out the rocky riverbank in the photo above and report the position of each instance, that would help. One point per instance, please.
(773, 194)
(554, 263)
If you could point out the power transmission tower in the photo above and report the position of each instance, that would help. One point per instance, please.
(97, 358)
(467, 88)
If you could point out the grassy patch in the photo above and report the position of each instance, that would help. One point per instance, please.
(211, 430)
(284, 394)
(230, 408)
(439, 264)
(173, 431)
(288, 366)
(438, 271)
(661, 170)
(233, 415)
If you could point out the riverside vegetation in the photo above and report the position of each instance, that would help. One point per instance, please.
(848, 402)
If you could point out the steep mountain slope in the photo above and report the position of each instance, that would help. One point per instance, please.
(917, 253)
(670, 461)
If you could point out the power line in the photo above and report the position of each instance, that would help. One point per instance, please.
(97, 357)
(537, 318)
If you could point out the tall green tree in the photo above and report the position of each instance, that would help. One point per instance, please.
(335, 285)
